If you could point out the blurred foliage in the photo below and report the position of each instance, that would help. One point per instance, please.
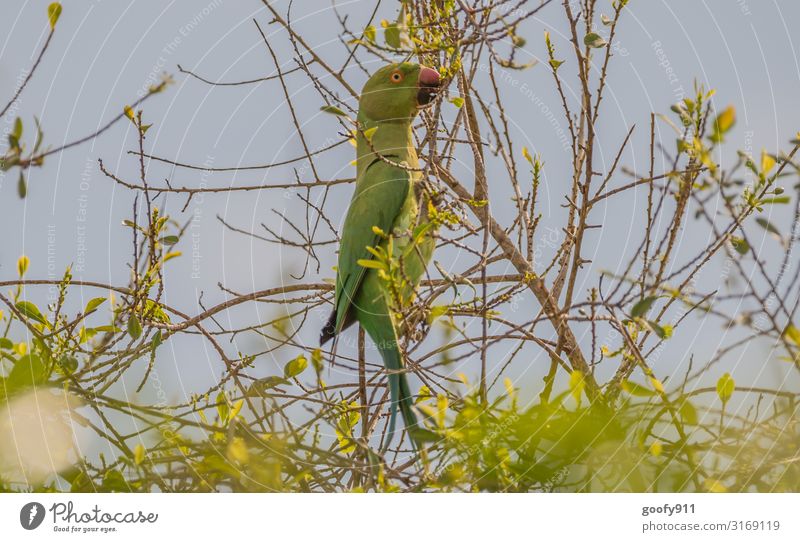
(642, 432)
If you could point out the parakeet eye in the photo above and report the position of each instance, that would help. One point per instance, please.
(396, 76)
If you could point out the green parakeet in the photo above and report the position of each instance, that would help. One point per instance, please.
(387, 222)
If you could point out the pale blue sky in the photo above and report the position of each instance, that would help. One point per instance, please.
(105, 53)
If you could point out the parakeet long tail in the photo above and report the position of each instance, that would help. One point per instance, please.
(381, 329)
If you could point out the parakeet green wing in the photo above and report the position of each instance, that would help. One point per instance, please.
(378, 200)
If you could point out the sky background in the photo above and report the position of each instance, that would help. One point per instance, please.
(106, 53)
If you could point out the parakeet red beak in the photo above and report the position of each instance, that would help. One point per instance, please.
(428, 86)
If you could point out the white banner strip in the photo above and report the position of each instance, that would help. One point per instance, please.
(401, 518)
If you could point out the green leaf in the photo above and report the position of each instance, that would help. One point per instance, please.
(93, 304)
(791, 333)
(345, 423)
(107, 329)
(222, 406)
(316, 361)
(779, 200)
(139, 454)
(29, 370)
(576, 385)
(767, 225)
(642, 306)
(594, 40)
(437, 311)
(22, 186)
(169, 240)
(15, 136)
(86, 335)
(663, 332)
(237, 407)
(424, 394)
(688, 413)
(770, 227)
(6, 344)
(370, 33)
(17, 131)
(295, 367)
(370, 264)
(457, 101)
(369, 133)
(555, 64)
(740, 245)
(657, 384)
(53, 13)
(767, 162)
(260, 386)
(723, 123)
(725, 387)
(31, 311)
(155, 342)
(396, 36)
(636, 389)
(134, 327)
(22, 265)
(333, 110)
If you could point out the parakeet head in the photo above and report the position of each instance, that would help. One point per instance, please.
(398, 91)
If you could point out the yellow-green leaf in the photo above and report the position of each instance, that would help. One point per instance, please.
(29, 370)
(441, 409)
(791, 333)
(31, 311)
(725, 387)
(369, 133)
(138, 454)
(635, 389)
(656, 448)
(333, 110)
(424, 394)
(237, 451)
(345, 423)
(767, 162)
(594, 40)
(370, 264)
(295, 367)
(723, 123)
(22, 265)
(237, 407)
(53, 13)
(688, 413)
(134, 327)
(740, 245)
(93, 304)
(642, 306)
(457, 101)
(576, 385)
(527, 154)
(714, 486)
(657, 385)
(316, 360)
(437, 311)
